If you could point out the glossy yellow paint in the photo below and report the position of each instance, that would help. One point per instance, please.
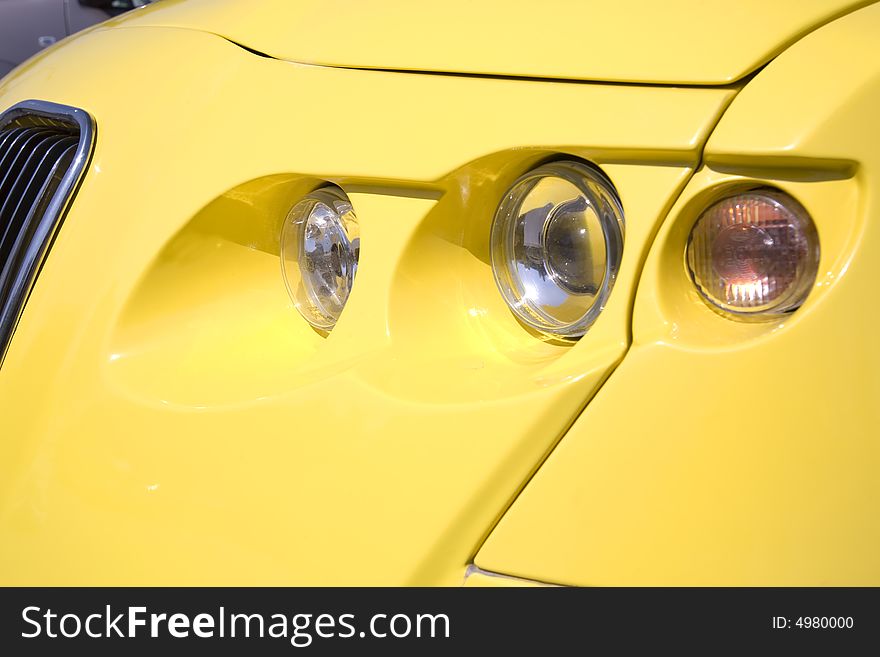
(676, 41)
(729, 453)
(170, 419)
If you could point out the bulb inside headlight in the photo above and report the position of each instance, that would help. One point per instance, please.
(320, 245)
(557, 242)
(754, 254)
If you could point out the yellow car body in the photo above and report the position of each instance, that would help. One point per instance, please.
(168, 417)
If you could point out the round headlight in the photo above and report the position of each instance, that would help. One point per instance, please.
(320, 245)
(755, 254)
(556, 244)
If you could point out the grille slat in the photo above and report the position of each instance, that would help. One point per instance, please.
(31, 184)
(6, 140)
(21, 170)
(8, 164)
(26, 235)
(44, 149)
(34, 233)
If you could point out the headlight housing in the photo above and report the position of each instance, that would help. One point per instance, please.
(556, 246)
(320, 246)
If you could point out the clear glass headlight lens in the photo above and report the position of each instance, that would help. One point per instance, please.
(556, 245)
(755, 254)
(320, 245)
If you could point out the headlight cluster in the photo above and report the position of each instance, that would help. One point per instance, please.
(556, 247)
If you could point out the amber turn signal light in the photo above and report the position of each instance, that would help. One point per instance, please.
(754, 254)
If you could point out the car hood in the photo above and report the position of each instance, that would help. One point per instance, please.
(700, 42)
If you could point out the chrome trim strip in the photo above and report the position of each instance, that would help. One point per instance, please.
(474, 569)
(19, 273)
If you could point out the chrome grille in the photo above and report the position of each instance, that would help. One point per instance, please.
(44, 149)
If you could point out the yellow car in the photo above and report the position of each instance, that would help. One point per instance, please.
(320, 292)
